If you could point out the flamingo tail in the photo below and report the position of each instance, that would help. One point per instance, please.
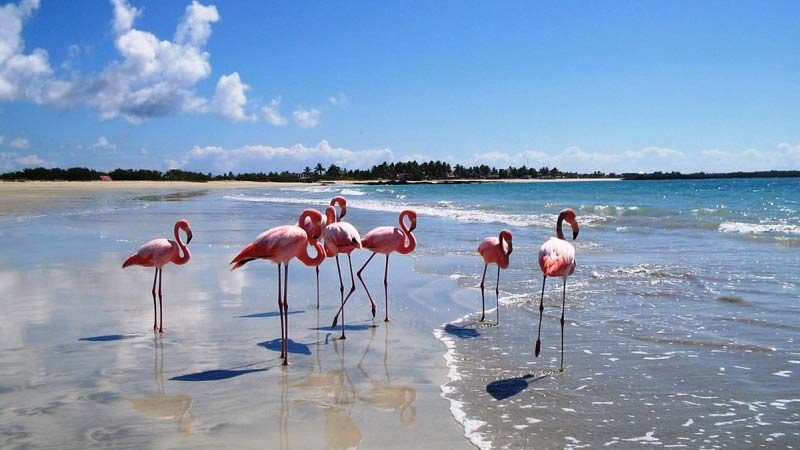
(244, 257)
(133, 260)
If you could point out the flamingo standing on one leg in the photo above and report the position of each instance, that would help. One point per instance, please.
(494, 250)
(341, 237)
(280, 245)
(157, 253)
(342, 202)
(387, 240)
(557, 259)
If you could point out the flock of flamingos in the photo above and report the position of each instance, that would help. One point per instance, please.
(281, 244)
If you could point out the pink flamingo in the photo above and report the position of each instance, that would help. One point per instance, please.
(341, 237)
(342, 202)
(494, 250)
(387, 240)
(279, 245)
(557, 259)
(157, 253)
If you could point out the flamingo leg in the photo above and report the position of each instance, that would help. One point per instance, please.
(286, 313)
(160, 302)
(280, 311)
(316, 269)
(483, 298)
(563, 307)
(352, 280)
(341, 292)
(541, 310)
(497, 295)
(371, 301)
(155, 316)
(386, 288)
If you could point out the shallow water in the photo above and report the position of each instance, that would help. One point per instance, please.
(681, 323)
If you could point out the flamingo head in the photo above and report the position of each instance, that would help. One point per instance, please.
(311, 220)
(342, 202)
(506, 236)
(568, 215)
(412, 217)
(183, 224)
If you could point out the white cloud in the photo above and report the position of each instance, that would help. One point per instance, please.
(10, 161)
(2, 139)
(20, 143)
(338, 100)
(195, 26)
(103, 144)
(154, 77)
(230, 98)
(648, 159)
(30, 160)
(306, 118)
(255, 158)
(273, 115)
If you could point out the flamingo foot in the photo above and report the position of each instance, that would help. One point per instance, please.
(162, 330)
(374, 308)
(387, 320)
(286, 362)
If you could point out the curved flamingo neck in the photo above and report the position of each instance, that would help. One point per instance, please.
(505, 240)
(559, 232)
(185, 254)
(330, 215)
(306, 259)
(342, 203)
(412, 241)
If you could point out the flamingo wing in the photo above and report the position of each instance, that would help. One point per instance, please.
(155, 253)
(557, 258)
(340, 236)
(384, 239)
(278, 244)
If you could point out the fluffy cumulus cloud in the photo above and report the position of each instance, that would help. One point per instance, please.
(306, 118)
(648, 159)
(230, 98)
(20, 143)
(272, 113)
(103, 144)
(264, 158)
(10, 161)
(22, 76)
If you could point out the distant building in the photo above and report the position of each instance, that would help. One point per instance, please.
(402, 177)
(105, 178)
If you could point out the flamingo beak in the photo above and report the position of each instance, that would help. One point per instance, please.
(344, 213)
(510, 248)
(575, 231)
(413, 226)
(188, 236)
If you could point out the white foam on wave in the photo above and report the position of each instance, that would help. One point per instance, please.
(471, 426)
(758, 228)
(353, 192)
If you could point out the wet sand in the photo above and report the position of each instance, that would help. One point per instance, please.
(81, 368)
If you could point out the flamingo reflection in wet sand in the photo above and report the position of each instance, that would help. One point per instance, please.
(341, 237)
(280, 245)
(158, 253)
(387, 240)
(557, 259)
(342, 203)
(494, 250)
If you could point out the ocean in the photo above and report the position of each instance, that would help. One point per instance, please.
(681, 319)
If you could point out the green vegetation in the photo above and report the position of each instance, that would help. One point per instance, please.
(387, 172)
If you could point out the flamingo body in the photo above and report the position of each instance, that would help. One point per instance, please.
(158, 253)
(307, 224)
(385, 240)
(279, 245)
(341, 237)
(494, 250)
(557, 259)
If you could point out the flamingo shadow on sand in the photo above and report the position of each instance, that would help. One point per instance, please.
(291, 346)
(349, 327)
(215, 375)
(110, 337)
(461, 332)
(509, 387)
(268, 314)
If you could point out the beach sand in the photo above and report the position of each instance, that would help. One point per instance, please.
(80, 367)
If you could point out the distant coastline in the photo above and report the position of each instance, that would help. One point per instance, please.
(433, 172)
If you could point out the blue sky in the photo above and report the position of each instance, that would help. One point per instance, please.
(256, 86)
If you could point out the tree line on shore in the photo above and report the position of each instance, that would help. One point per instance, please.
(389, 172)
